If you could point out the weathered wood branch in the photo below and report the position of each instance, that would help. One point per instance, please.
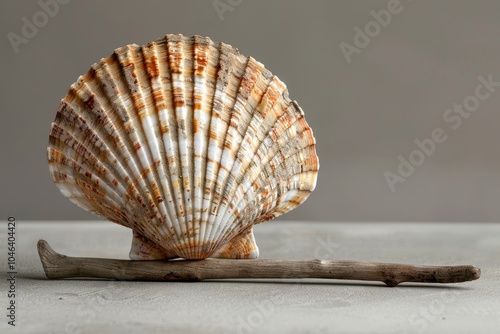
(61, 266)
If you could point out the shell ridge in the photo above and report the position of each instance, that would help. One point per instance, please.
(154, 73)
(270, 153)
(86, 123)
(204, 209)
(160, 97)
(146, 121)
(115, 121)
(206, 61)
(86, 183)
(286, 165)
(231, 81)
(115, 125)
(86, 193)
(280, 168)
(136, 110)
(128, 131)
(251, 133)
(261, 123)
(189, 49)
(263, 76)
(213, 157)
(296, 196)
(150, 126)
(295, 174)
(179, 68)
(232, 141)
(191, 114)
(84, 155)
(247, 108)
(224, 176)
(169, 130)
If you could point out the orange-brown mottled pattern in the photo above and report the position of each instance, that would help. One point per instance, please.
(180, 60)
(185, 141)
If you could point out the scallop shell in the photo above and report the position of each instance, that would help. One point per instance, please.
(185, 141)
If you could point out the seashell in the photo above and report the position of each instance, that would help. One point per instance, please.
(185, 141)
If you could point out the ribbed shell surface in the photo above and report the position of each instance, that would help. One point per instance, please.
(185, 141)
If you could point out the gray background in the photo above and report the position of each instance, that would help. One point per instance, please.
(364, 113)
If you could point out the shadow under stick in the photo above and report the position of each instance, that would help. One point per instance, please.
(57, 265)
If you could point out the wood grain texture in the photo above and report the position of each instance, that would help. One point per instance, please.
(58, 266)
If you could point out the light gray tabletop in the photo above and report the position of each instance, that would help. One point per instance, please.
(263, 306)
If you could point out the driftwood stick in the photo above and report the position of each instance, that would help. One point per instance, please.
(61, 266)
